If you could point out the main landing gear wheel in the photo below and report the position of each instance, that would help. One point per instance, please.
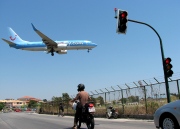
(52, 52)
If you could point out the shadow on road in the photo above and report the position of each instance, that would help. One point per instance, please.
(71, 128)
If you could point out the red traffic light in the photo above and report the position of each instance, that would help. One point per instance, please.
(124, 14)
(121, 21)
(168, 60)
(168, 67)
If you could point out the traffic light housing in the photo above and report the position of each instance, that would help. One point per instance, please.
(121, 21)
(168, 66)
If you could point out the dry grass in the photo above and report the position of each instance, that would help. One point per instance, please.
(140, 109)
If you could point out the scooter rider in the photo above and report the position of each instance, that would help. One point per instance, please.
(110, 111)
(83, 98)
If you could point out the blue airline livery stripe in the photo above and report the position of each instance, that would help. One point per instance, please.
(36, 44)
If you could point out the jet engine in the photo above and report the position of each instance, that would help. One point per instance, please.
(62, 52)
(62, 45)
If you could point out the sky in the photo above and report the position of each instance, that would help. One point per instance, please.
(118, 58)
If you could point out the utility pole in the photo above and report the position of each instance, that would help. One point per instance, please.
(121, 16)
(162, 55)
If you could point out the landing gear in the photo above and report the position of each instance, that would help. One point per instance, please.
(49, 47)
(52, 52)
(88, 50)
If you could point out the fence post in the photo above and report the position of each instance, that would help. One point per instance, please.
(105, 98)
(145, 95)
(145, 98)
(178, 88)
(122, 100)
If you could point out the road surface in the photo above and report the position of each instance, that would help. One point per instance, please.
(26, 120)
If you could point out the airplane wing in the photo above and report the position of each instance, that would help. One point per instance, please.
(49, 42)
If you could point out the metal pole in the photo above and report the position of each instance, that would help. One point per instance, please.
(113, 88)
(135, 84)
(178, 88)
(127, 85)
(96, 92)
(162, 54)
(101, 90)
(92, 92)
(122, 100)
(145, 96)
(105, 98)
(156, 80)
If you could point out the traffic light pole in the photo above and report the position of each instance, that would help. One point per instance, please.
(162, 54)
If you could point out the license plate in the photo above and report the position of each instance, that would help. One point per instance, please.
(92, 109)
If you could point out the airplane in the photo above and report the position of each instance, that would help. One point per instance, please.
(47, 44)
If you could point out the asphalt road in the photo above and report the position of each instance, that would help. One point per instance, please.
(23, 120)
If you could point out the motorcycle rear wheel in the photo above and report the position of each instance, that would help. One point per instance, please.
(91, 124)
(115, 115)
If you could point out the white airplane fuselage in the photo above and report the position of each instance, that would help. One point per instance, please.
(47, 44)
(61, 45)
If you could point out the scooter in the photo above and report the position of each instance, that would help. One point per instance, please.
(111, 113)
(87, 116)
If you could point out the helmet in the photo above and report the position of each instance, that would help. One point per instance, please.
(80, 87)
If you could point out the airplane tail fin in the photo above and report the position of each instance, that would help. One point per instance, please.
(14, 37)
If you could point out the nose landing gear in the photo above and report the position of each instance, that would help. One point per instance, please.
(88, 50)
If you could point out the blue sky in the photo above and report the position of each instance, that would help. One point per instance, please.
(118, 59)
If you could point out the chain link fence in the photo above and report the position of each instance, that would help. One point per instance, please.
(141, 97)
(130, 99)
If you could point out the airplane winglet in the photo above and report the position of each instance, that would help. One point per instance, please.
(34, 27)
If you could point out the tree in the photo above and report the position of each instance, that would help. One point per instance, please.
(23, 106)
(133, 98)
(101, 100)
(56, 101)
(44, 100)
(32, 104)
(114, 102)
(66, 99)
(2, 105)
(123, 100)
(93, 100)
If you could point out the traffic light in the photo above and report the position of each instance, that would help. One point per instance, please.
(121, 21)
(168, 66)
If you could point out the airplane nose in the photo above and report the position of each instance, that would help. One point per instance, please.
(95, 45)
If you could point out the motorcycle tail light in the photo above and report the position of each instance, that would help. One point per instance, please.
(91, 105)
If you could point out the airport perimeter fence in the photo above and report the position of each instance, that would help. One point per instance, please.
(134, 100)
(141, 97)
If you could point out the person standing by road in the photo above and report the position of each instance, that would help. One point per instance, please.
(61, 109)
